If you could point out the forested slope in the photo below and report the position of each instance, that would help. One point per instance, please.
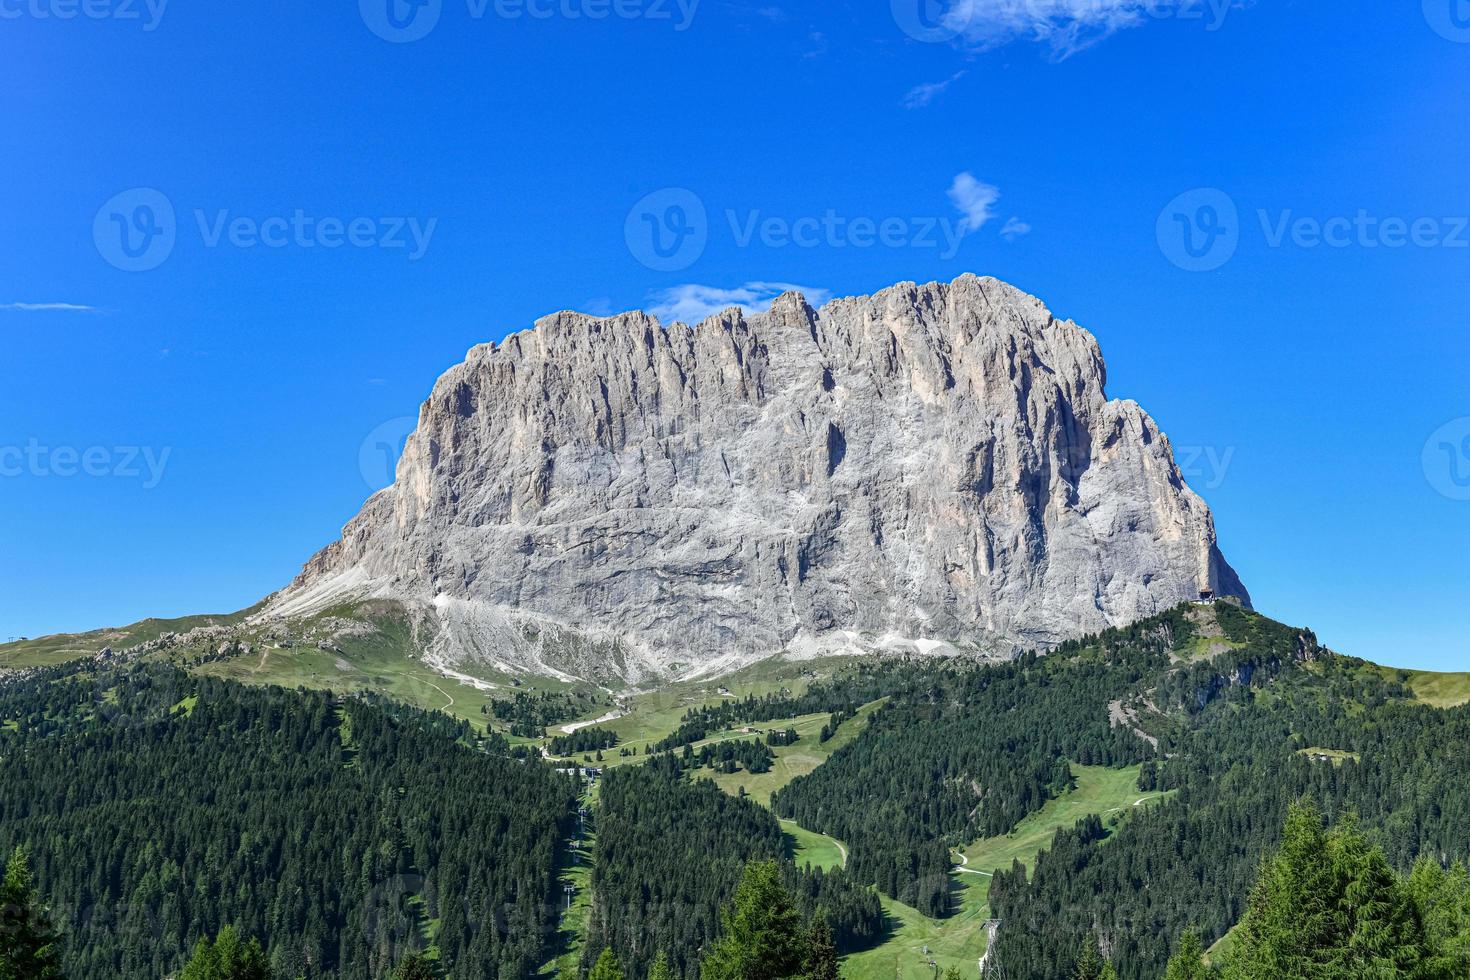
(670, 853)
(1223, 723)
(160, 807)
(967, 753)
(1237, 767)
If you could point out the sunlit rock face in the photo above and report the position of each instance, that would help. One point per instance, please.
(931, 468)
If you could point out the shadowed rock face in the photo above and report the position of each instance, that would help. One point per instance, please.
(930, 467)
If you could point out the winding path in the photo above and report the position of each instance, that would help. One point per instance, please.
(962, 869)
(436, 687)
(613, 715)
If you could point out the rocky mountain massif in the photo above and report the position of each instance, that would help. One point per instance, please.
(931, 468)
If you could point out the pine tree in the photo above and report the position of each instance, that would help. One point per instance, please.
(821, 952)
(1384, 934)
(1290, 914)
(1090, 963)
(660, 969)
(29, 946)
(227, 958)
(1328, 906)
(761, 931)
(606, 967)
(415, 967)
(1442, 898)
(1188, 961)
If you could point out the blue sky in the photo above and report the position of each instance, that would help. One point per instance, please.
(359, 194)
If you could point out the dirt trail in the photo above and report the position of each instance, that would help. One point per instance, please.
(962, 869)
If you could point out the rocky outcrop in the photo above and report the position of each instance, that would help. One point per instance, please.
(930, 468)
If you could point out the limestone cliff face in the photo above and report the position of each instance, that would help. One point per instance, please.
(931, 467)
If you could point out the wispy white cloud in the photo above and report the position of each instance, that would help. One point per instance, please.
(1014, 228)
(973, 199)
(921, 95)
(599, 306)
(48, 308)
(1065, 26)
(692, 302)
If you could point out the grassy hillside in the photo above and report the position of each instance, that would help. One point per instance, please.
(1443, 690)
(794, 760)
(378, 663)
(47, 651)
(1182, 680)
(959, 941)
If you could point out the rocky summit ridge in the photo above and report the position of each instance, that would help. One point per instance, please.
(930, 468)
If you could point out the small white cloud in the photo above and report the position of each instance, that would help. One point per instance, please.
(692, 302)
(973, 199)
(600, 306)
(1065, 26)
(48, 308)
(921, 95)
(1014, 228)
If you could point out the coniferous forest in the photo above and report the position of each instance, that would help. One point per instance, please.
(164, 823)
(159, 808)
(654, 827)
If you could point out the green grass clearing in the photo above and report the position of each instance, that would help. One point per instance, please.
(795, 760)
(1335, 756)
(813, 850)
(960, 941)
(1440, 689)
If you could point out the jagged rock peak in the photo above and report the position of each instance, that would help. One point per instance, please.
(933, 467)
